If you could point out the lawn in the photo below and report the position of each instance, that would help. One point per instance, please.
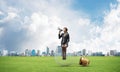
(50, 64)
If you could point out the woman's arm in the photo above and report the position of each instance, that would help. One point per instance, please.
(68, 39)
(59, 35)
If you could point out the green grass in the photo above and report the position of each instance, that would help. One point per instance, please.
(48, 64)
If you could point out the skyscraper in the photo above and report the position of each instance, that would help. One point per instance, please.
(47, 51)
(43, 53)
(26, 52)
(29, 53)
(59, 51)
(79, 53)
(84, 51)
(5, 53)
(33, 53)
(52, 53)
(113, 52)
(38, 53)
(13, 53)
(89, 53)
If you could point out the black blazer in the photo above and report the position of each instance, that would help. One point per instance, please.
(65, 39)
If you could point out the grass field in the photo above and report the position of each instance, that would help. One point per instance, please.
(48, 64)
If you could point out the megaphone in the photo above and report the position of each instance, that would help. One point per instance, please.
(60, 29)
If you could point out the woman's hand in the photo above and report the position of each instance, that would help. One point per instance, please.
(65, 45)
(60, 31)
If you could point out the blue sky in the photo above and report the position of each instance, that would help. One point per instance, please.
(92, 24)
(92, 7)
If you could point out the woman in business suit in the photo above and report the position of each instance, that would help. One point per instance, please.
(64, 42)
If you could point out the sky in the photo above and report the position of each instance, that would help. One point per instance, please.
(92, 24)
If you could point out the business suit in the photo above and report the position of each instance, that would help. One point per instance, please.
(64, 42)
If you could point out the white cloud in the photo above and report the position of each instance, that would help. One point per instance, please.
(84, 22)
(12, 13)
(12, 9)
(1, 13)
(118, 0)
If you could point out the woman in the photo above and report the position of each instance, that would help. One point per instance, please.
(64, 42)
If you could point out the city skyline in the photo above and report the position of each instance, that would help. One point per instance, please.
(58, 52)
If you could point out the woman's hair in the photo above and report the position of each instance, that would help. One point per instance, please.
(66, 28)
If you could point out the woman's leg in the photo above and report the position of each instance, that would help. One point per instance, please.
(64, 52)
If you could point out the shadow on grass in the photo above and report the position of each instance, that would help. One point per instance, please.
(84, 66)
(72, 66)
